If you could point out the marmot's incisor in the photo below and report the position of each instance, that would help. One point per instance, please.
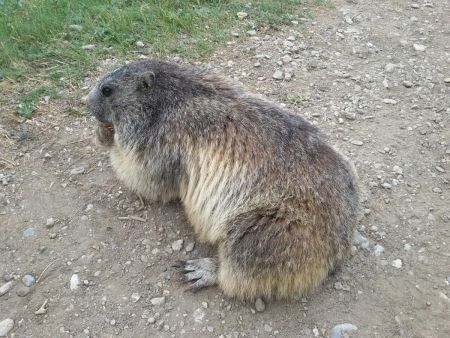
(254, 179)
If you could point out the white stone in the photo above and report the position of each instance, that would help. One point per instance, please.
(6, 287)
(419, 48)
(74, 282)
(6, 325)
(397, 263)
(158, 300)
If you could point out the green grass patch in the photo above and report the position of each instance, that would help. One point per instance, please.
(29, 101)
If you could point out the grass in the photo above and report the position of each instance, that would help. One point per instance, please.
(44, 38)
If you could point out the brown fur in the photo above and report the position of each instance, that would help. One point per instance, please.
(255, 180)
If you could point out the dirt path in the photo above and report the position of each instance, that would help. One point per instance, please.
(374, 75)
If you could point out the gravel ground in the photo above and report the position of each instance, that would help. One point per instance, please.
(81, 256)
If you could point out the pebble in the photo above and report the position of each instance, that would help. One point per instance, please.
(22, 291)
(198, 315)
(139, 44)
(88, 47)
(251, 32)
(447, 80)
(260, 306)
(267, 328)
(76, 27)
(419, 48)
(50, 222)
(77, 171)
(278, 75)
(389, 68)
(397, 263)
(378, 250)
(350, 116)
(189, 247)
(6, 325)
(158, 300)
(286, 59)
(28, 280)
(407, 84)
(135, 297)
(241, 15)
(74, 282)
(340, 286)
(407, 247)
(28, 232)
(177, 245)
(6, 287)
(437, 190)
(357, 142)
(360, 240)
(397, 170)
(342, 330)
(440, 169)
(389, 101)
(386, 185)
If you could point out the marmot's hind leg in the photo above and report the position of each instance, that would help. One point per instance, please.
(268, 254)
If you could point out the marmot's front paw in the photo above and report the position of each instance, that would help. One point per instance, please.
(201, 272)
(105, 135)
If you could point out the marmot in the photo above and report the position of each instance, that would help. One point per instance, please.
(255, 180)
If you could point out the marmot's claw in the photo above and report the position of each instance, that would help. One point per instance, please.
(202, 272)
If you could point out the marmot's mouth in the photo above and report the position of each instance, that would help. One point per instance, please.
(108, 125)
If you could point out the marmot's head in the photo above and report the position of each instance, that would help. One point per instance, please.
(123, 95)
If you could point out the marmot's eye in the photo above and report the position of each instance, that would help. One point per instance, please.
(106, 91)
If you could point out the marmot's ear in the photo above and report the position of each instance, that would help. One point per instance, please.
(146, 79)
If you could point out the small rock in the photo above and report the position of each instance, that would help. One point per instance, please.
(28, 280)
(139, 44)
(415, 5)
(286, 59)
(389, 101)
(241, 15)
(88, 47)
(158, 300)
(198, 315)
(407, 84)
(74, 282)
(6, 325)
(386, 185)
(151, 320)
(278, 75)
(357, 142)
(440, 169)
(389, 68)
(398, 170)
(378, 250)
(177, 245)
(350, 116)
(76, 27)
(419, 48)
(397, 263)
(267, 328)
(407, 247)
(340, 286)
(288, 76)
(50, 222)
(52, 235)
(189, 247)
(360, 240)
(260, 306)
(6, 287)
(437, 190)
(22, 291)
(447, 80)
(342, 330)
(77, 171)
(135, 297)
(251, 32)
(28, 232)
